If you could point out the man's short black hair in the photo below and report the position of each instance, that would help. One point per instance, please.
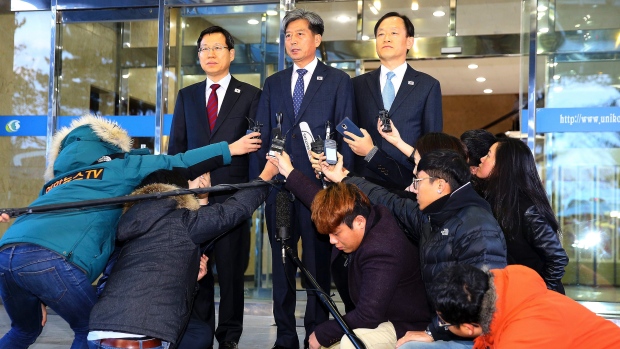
(478, 143)
(230, 42)
(447, 165)
(458, 292)
(408, 24)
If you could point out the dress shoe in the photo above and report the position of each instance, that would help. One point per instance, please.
(229, 345)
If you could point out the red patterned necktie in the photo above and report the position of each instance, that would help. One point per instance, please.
(212, 106)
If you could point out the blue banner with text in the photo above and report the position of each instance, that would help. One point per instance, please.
(36, 125)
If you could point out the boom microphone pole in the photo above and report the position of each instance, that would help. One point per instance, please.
(357, 343)
(14, 212)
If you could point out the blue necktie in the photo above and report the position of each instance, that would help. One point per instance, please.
(388, 91)
(298, 92)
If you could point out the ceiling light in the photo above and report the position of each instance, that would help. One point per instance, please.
(577, 25)
(272, 13)
(542, 8)
(377, 4)
(373, 9)
(488, 90)
(365, 37)
(439, 13)
(543, 30)
(481, 79)
(556, 77)
(473, 66)
(415, 6)
(343, 18)
(334, 65)
(252, 21)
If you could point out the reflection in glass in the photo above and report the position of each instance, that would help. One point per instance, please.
(25, 75)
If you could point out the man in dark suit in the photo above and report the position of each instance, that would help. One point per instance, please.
(314, 93)
(412, 98)
(212, 111)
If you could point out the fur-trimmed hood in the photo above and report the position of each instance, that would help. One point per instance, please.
(183, 201)
(86, 140)
(487, 308)
(139, 217)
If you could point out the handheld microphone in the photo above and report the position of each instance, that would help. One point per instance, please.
(311, 144)
(283, 220)
(318, 146)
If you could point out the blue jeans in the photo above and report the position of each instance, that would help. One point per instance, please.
(438, 345)
(96, 345)
(31, 274)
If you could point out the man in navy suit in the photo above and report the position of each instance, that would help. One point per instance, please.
(215, 110)
(311, 92)
(412, 98)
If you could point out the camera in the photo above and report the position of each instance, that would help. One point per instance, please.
(385, 121)
(277, 143)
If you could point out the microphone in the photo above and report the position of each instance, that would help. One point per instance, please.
(311, 144)
(283, 220)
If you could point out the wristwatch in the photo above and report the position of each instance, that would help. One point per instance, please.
(428, 332)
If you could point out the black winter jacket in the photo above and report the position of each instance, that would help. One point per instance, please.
(538, 246)
(151, 287)
(463, 231)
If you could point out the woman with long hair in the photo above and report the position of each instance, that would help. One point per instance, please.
(520, 205)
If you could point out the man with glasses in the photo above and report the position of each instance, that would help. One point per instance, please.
(449, 222)
(214, 110)
(512, 308)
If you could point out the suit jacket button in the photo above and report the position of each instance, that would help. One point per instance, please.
(294, 135)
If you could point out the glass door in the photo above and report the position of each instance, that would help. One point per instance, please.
(106, 64)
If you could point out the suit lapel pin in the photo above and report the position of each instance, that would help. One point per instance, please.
(410, 83)
(237, 90)
(320, 78)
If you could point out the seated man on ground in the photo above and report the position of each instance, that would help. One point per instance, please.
(384, 277)
(512, 308)
(148, 296)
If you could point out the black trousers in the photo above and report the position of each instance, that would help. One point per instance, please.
(316, 258)
(230, 254)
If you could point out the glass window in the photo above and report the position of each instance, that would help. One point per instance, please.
(24, 72)
(109, 68)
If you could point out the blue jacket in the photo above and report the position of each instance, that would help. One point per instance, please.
(89, 160)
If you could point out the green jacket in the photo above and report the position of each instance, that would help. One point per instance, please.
(88, 165)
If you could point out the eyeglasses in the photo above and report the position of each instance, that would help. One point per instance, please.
(416, 182)
(215, 49)
(443, 324)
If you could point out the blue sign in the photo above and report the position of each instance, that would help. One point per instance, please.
(36, 125)
(574, 120)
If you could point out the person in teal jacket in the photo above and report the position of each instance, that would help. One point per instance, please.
(54, 257)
